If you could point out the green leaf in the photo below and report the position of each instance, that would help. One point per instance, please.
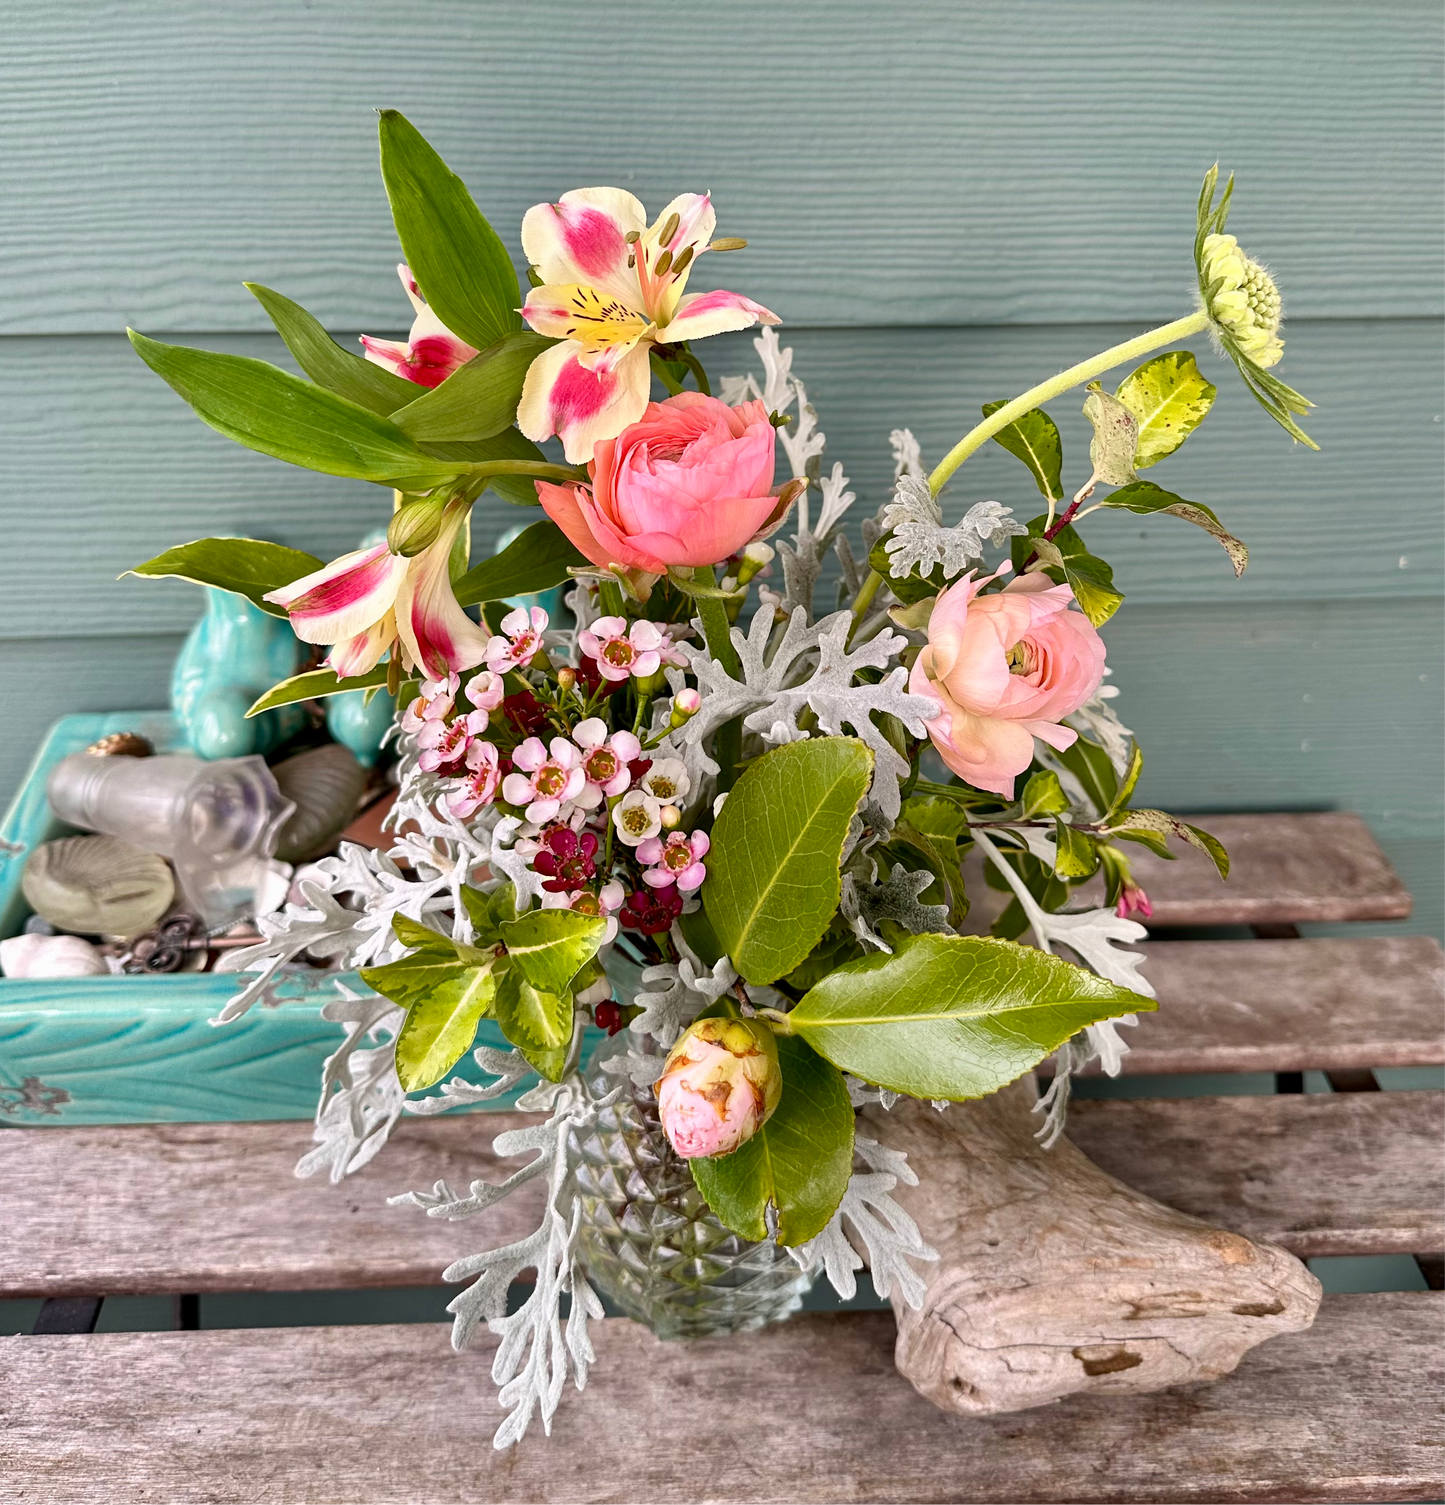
(953, 1016)
(697, 931)
(532, 1018)
(551, 1064)
(478, 400)
(536, 560)
(1116, 436)
(1043, 795)
(1067, 561)
(911, 588)
(799, 1161)
(315, 684)
(1141, 825)
(1145, 497)
(329, 365)
(932, 827)
(270, 410)
(1131, 779)
(550, 946)
(247, 566)
(488, 911)
(1170, 399)
(1034, 439)
(1076, 855)
(1090, 764)
(459, 262)
(773, 881)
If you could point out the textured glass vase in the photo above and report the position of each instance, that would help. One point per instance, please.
(649, 1242)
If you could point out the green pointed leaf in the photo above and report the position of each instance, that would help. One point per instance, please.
(773, 880)
(799, 1161)
(329, 365)
(550, 946)
(953, 1016)
(1076, 855)
(1043, 795)
(1067, 561)
(1170, 399)
(459, 262)
(535, 561)
(316, 684)
(270, 410)
(478, 400)
(1131, 779)
(1090, 764)
(1116, 437)
(247, 566)
(932, 827)
(533, 1019)
(488, 911)
(551, 1064)
(1142, 824)
(1034, 439)
(1145, 497)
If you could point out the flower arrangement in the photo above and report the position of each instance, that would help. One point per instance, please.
(701, 814)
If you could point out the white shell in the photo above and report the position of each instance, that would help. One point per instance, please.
(98, 885)
(325, 784)
(50, 956)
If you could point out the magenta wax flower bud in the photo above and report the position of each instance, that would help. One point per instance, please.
(719, 1086)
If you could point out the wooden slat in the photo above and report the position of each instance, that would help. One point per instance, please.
(214, 1207)
(1325, 1005)
(809, 1411)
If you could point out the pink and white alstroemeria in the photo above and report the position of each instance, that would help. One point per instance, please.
(546, 778)
(365, 601)
(613, 287)
(520, 642)
(478, 786)
(620, 650)
(431, 353)
(604, 760)
(675, 859)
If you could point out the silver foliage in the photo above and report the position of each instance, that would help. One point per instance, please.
(866, 905)
(677, 992)
(921, 542)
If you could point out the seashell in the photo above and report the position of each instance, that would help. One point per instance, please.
(50, 956)
(325, 784)
(98, 885)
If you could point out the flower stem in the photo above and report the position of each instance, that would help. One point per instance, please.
(863, 602)
(712, 613)
(1096, 365)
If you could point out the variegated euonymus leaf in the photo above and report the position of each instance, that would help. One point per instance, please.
(1144, 497)
(1066, 560)
(247, 567)
(1116, 436)
(532, 1018)
(773, 880)
(1169, 399)
(1076, 854)
(798, 1162)
(550, 946)
(1152, 827)
(446, 990)
(953, 1016)
(1034, 439)
(1043, 795)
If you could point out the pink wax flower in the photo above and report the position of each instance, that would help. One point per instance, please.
(565, 858)
(520, 640)
(478, 785)
(486, 690)
(689, 484)
(430, 354)
(1006, 668)
(603, 903)
(719, 1086)
(434, 701)
(544, 778)
(1133, 901)
(639, 650)
(604, 760)
(677, 859)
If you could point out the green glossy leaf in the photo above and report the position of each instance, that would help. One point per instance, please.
(478, 400)
(1068, 561)
(1170, 399)
(799, 1161)
(1145, 497)
(533, 1019)
(550, 946)
(339, 370)
(1043, 795)
(270, 410)
(1090, 764)
(773, 880)
(1076, 854)
(697, 931)
(247, 566)
(932, 827)
(1142, 824)
(316, 684)
(953, 1016)
(1116, 436)
(458, 260)
(488, 911)
(1131, 779)
(1034, 439)
(535, 561)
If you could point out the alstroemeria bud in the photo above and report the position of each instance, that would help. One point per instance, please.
(719, 1086)
(415, 526)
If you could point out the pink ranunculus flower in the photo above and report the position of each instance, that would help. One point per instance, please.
(690, 483)
(1006, 668)
(430, 353)
(719, 1086)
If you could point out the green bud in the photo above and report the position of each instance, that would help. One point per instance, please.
(415, 525)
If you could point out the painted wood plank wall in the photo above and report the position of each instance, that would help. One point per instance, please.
(946, 201)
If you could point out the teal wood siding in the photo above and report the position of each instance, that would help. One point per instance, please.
(946, 201)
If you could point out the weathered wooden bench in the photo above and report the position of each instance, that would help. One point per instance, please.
(812, 1410)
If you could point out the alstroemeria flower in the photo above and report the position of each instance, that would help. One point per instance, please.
(613, 287)
(431, 353)
(372, 600)
(520, 642)
(546, 778)
(604, 760)
(478, 786)
(677, 859)
(640, 650)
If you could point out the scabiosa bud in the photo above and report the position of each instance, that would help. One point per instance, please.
(719, 1086)
(1242, 298)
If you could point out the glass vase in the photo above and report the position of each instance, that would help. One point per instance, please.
(648, 1241)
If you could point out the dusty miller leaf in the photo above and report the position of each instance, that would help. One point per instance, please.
(920, 542)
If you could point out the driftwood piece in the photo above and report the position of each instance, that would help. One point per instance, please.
(1054, 1278)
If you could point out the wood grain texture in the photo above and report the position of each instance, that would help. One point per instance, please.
(212, 1207)
(944, 162)
(1345, 1412)
(140, 472)
(1319, 1005)
(1306, 1172)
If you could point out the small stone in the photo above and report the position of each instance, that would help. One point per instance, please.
(122, 745)
(98, 885)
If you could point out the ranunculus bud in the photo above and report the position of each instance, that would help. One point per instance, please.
(719, 1086)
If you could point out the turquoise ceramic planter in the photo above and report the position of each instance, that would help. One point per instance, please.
(130, 1050)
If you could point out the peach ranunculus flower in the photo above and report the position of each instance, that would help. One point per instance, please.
(689, 484)
(1006, 668)
(719, 1086)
